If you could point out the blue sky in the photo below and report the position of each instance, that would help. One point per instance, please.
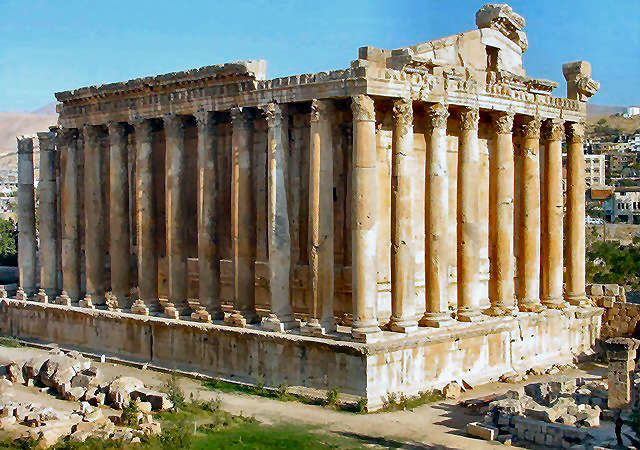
(49, 46)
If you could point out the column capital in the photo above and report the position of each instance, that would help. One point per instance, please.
(25, 144)
(437, 115)
(117, 132)
(320, 109)
(530, 127)
(553, 129)
(240, 116)
(575, 132)
(363, 108)
(46, 140)
(143, 128)
(272, 113)
(204, 118)
(91, 133)
(173, 123)
(403, 114)
(503, 122)
(469, 118)
(64, 136)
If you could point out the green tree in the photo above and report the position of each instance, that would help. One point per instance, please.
(8, 243)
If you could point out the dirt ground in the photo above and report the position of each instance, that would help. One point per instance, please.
(437, 425)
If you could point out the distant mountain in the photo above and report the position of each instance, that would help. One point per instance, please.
(46, 109)
(603, 110)
(14, 124)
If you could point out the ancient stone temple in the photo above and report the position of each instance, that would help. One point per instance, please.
(388, 227)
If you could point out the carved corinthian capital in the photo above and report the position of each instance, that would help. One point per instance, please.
(469, 118)
(240, 117)
(437, 115)
(91, 134)
(503, 122)
(117, 132)
(143, 128)
(575, 132)
(363, 108)
(173, 124)
(403, 114)
(530, 127)
(204, 119)
(65, 136)
(273, 114)
(553, 130)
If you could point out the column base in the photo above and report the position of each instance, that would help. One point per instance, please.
(470, 316)
(534, 307)
(554, 303)
(402, 325)
(171, 311)
(500, 311)
(86, 302)
(112, 302)
(436, 320)
(273, 323)
(41, 296)
(201, 315)
(139, 307)
(21, 295)
(366, 334)
(578, 299)
(63, 299)
(241, 318)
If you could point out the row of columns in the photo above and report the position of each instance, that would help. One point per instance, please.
(540, 262)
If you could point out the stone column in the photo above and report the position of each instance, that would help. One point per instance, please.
(403, 298)
(176, 233)
(281, 317)
(468, 230)
(363, 220)
(321, 254)
(621, 353)
(243, 220)
(501, 194)
(26, 220)
(95, 223)
(208, 253)
(48, 210)
(120, 251)
(145, 219)
(436, 195)
(552, 211)
(575, 259)
(528, 264)
(68, 147)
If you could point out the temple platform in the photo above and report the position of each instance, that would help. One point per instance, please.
(429, 358)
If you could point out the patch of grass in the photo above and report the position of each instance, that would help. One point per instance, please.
(9, 342)
(395, 402)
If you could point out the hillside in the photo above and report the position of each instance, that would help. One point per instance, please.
(14, 124)
(598, 111)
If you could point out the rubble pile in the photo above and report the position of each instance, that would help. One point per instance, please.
(75, 378)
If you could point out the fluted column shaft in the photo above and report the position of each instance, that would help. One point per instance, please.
(468, 222)
(501, 212)
(119, 229)
(26, 219)
(68, 145)
(48, 210)
(147, 253)
(364, 219)
(528, 264)
(321, 239)
(575, 258)
(208, 252)
(243, 219)
(176, 232)
(279, 237)
(552, 211)
(436, 196)
(95, 217)
(403, 298)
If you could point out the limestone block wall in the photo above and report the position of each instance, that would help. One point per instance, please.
(620, 318)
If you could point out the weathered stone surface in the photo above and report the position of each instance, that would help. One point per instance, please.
(120, 389)
(452, 391)
(483, 431)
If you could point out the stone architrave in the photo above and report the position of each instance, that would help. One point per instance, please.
(120, 251)
(575, 258)
(26, 220)
(436, 197)
(175, 200)
(528, 263)
(321, 237)
(468, 220)
(403, 299)
(501, 213)
(95, 217)
(145, 219)
(281, 317)
(67, 139)
(552, 212)
(243, 221)
(364, 220)
(48, 211)
(208, 249)
(621, 353)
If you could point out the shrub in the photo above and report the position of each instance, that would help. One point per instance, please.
(174, 391)
(8, 243)
(129, 415)
(332, 397)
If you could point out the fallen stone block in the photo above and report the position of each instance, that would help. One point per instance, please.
(31, 368)
(543, 413)
(482, 431)
(566, 419)
(611, 289)
(145, 407)
(516, 394)
(13, 372)
(120, 389)
(159, 401)
(74, 394)
(452, 391)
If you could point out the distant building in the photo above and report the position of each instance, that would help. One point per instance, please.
(623, 206)
(631, 111)
(594, 170)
